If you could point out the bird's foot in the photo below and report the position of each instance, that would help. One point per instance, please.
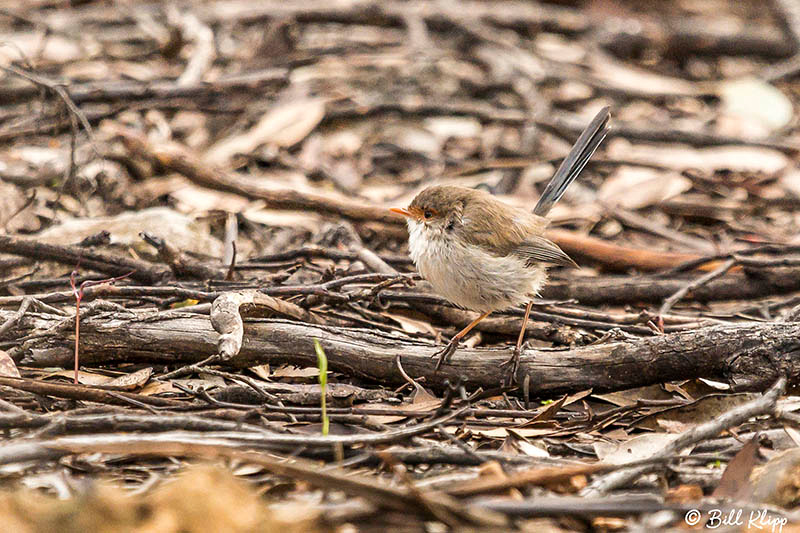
(445, 353)
(513, 363)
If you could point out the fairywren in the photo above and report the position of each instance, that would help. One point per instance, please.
(484, 255)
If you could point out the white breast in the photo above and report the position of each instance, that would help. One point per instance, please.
(468, 276)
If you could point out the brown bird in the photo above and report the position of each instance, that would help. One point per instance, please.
(484, 255)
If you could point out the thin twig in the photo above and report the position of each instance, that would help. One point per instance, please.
(699, 282)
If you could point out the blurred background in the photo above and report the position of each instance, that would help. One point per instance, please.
(366, 102)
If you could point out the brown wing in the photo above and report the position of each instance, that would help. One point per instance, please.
(502, 229)
(540, 250)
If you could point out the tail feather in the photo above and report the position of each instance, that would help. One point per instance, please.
(573, 164)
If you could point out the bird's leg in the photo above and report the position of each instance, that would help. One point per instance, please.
(514, 361)
(453, 344)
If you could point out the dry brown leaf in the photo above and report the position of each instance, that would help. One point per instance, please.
(735, 482)
(132, 381)
(7, 365)
(790, 182)
(778, 481)
(685, 494)
(684, 417)
(158, 387)
(681, 390)
(56, 50)
(559, 47)
(501, 433)
(494, 433)
(246, 469)
(193, 199)
(773, 112)
(680, 157)
(635, 449)
(305, 220)
(509, 446)
(637, 187)
(422, 399)
(184, 232)
(524, 446)
(716, 385)
(284, 125)
(262, 371)
(389, 419)
(545, 413)
(580, 395)
(84, 377)
(411, 325)
(793, 434)
(412, 137)
(453, 127)
(620, 75)
(204, 380)
(343, 142)
(288, 371)
(629, 397)
(13, 212)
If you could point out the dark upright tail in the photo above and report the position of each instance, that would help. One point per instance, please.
(573, 164)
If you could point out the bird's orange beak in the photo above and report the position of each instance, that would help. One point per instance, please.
(409, 212)
(401, 211)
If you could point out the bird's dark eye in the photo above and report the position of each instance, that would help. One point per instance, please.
(427, 214)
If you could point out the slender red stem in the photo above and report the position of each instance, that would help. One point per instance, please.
(77, 335)
(78, 296)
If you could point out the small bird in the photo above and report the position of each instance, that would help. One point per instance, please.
(484, 255)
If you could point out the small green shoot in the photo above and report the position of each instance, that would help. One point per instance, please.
(322, 364)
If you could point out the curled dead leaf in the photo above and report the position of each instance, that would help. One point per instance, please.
(7, 366)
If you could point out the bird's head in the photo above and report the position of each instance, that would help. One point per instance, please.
(437, 208)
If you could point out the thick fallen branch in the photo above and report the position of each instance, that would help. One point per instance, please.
(750, 283)
(743, 285)
(749, 356)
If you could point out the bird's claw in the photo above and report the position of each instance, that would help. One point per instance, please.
(511, 378)
(445, 353)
